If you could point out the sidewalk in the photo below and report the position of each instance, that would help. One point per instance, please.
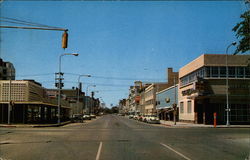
(34, 125)
(192, 125)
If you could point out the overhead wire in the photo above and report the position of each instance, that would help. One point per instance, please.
(17, 21)
(35, 75)
(118, 78)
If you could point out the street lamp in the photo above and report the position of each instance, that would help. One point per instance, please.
(232, 44)
(60, 80)
(87, 93)
(78, 92)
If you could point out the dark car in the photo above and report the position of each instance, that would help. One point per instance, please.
(76, 118)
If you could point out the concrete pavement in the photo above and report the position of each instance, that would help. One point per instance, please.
(118, 138)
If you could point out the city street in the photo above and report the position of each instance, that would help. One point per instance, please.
(113, 137)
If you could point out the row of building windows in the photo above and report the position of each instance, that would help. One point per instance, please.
(149, 93)
(216, 72)
(149, 102)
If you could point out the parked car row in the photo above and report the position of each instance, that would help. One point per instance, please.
(80, 117)
(145, 118)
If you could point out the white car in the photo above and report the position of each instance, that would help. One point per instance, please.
(152, 119)
(86, 117)
(136, 117)
(131, 116)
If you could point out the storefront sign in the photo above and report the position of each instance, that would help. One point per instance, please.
(188, 92)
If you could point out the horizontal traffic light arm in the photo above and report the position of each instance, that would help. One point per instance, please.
(39, 28)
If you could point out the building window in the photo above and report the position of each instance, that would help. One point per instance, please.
(247, 72)
(231, 71)
(223, 72)
(240, 72)
(189, 107)
(215, 72)
(207, 72)
(181, 107)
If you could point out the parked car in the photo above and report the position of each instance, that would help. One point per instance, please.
(86, 117)
(76, 118)
(152, 119)
(131, 116)
(144, 118)
(92, 116)
(141, 117)
(136, 117)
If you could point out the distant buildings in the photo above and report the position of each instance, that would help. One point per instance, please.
(7, 70)
(142, 96)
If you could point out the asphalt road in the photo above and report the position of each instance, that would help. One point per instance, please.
(113, 137)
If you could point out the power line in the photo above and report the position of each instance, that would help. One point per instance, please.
(36, 75)
(97, 84)
(17, 21)
(119, 78)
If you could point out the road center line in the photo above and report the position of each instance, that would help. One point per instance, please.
(175, 151)
(99, 151)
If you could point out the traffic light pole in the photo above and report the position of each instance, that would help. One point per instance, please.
(59, 90)
(64, 36)
(39, 28)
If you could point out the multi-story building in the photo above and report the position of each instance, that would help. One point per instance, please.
(150, 97)
(7, 70)
(122, 106)
(134, 98)
(142, 102)
(29, 103)
(203, 89)
(150, 91)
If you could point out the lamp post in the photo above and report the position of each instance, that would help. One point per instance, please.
(232, 44)
(87, 94)
(78, 91)
(9, 105)
(59, 83)
(175, 105)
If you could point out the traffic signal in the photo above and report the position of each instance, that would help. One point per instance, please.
(57, 85)
(65, 40)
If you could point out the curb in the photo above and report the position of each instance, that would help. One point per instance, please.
(35, 126)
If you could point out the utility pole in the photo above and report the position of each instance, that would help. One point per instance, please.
(175, 105)
(9, 105)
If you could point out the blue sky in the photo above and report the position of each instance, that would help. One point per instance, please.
(127, 40)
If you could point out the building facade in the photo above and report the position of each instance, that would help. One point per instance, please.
(203, 89)
(150, 97)
(166, 101)
(28, 102)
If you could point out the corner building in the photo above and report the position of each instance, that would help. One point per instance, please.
(202, 89)
(29, 102)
